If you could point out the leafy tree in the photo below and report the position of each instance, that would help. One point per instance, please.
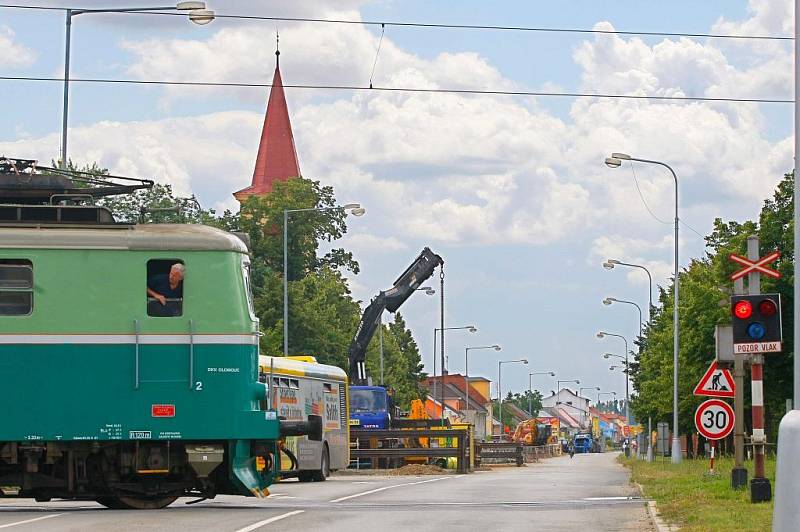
(705, 290)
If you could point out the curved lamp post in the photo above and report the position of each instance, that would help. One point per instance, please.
(354, 208)
(196, 12)
(500, 387)
(604, 393)
(611, 300)
(530, 388)
(466, 368)
(603, 334)
(611, 263)
(468, 328)
(614, 162)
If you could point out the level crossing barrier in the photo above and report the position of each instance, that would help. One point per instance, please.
(397, 444)
(532, 453)
(499, 452)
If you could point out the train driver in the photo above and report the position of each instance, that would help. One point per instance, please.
(162, 287)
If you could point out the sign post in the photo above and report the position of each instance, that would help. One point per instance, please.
(756, 330)
(716, 382)
(714, 419)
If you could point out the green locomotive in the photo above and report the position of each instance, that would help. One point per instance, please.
(113, 391)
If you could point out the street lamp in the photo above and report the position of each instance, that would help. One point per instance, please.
(614, 162)
(603, 334)
(604, 393)
(354, 208)
(530, 388)
(609, 265)
(580, 390)
(197, 13)
(558, 383)
(468, 328)
(466, 369)
(500, 387)
(609, 300)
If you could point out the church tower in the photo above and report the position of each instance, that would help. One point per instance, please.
(277, 157)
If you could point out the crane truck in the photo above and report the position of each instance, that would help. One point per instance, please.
(372, 407)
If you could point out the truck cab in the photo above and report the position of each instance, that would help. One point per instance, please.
(371, 407)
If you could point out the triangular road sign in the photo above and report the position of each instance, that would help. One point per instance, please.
(716, 382)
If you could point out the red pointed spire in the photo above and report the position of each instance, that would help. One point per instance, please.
(277, 157)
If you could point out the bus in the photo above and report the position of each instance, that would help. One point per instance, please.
(299, 386)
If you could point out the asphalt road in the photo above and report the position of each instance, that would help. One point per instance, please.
(588, 492)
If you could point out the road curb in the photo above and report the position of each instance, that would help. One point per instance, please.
(652, 511)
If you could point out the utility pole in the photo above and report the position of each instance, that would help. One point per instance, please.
(760, 487)
(786, 514)
(739, 471)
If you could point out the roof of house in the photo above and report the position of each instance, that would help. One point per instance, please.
(454, 384)
(277, 156)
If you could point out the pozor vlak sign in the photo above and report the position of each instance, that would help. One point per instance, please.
(757, 324)
(714, 419)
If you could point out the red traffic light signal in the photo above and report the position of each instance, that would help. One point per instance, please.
(767, 308)
(743, 309)
(757, 323)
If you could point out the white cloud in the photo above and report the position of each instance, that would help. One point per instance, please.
(210, 154)
(464, 169)
(13, 54)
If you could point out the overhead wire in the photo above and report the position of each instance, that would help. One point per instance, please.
(647, 207)
(404, 89)
(377, 53)
(439, 25)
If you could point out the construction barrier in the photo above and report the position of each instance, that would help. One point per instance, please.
(532, 453)
(395, 445)
(498, 453)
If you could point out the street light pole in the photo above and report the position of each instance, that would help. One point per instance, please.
(500, 386)
(354, 208)
(609, 265)
(615, 161)
(466, 369)
(604, 393)
(609, 300)
(197, 13)
(470, 328)
(530, 388)
(602, 334)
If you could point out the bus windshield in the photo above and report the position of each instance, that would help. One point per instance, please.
(367, 400)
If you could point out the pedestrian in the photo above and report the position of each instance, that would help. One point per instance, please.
(625, 448)
(571, 448)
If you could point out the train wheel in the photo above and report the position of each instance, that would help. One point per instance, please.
(136, 503)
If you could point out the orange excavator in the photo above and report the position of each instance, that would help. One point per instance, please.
(531, 432)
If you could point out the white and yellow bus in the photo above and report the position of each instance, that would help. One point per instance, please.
(299, 387)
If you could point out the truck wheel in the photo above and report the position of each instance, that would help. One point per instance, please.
(325, 467)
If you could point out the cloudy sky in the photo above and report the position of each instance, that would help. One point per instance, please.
(511, 191)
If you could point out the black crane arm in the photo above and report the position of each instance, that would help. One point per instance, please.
(417, 273)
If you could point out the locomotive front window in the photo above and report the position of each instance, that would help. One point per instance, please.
(165, 279)
(16, 287)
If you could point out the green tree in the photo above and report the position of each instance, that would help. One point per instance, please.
(705, 290)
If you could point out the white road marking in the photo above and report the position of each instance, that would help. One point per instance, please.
(376, 490)
(9, 525)
(623, 498)
(270, 520)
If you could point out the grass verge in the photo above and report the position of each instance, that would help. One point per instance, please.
(688, 497)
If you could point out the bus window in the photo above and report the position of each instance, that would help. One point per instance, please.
(165, 280)
(284, 383)
(16, 287)
(294, 384)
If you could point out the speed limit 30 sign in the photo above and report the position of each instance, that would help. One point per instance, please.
(714, 419)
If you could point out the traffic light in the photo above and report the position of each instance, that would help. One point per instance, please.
(757, 320)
